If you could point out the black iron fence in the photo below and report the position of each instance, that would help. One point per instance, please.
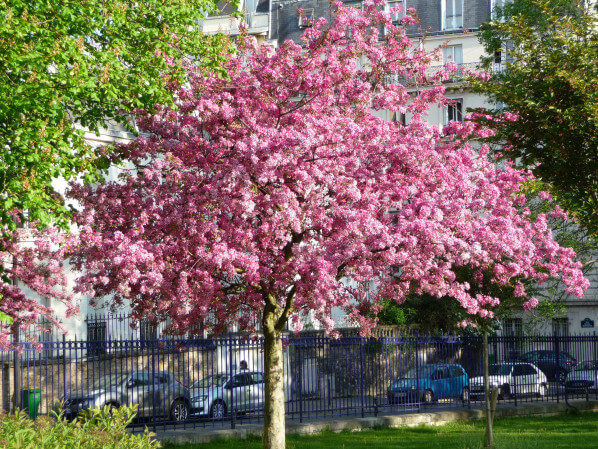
(201, 382)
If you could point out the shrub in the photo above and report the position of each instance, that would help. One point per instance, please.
(96, 428)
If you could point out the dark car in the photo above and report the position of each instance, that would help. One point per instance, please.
(156, 394)
(555, 369)
(429, 382)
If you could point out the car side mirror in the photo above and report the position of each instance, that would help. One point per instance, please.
(130, 383)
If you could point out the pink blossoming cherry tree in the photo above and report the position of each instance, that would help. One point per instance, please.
(262, 194)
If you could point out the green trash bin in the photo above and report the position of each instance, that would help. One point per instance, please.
(31, 398)
(491, 359)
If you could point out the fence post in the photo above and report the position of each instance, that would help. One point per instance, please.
(300, 382)
(230, 366)
(362, 372)
(418, 392)
(17, 371)
(594, 358)
(153, 383)
(558, 368)
(64, 366)
(5, 385)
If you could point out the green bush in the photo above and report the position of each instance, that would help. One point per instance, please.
(96, 428)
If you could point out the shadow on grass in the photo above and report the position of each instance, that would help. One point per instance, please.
(567, 431)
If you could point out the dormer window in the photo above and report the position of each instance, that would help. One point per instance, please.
(306, 18)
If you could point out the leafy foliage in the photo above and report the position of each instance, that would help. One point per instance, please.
(98, 429)
(67, 67)
(547, 81)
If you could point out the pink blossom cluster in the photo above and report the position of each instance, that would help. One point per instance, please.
(32, 265)
(272, 187)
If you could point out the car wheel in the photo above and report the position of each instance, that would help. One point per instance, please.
(428, 397)
(218, 410)
(542, 390)
(179, 411)
(505, 392)
(465, 395)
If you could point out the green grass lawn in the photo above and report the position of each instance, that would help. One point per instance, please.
(568, 431)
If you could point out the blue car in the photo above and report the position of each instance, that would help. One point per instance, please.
(427, 383)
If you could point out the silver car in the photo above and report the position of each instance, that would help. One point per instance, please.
(156, 394)
(583, 377)
(512, 378)
(219, 394)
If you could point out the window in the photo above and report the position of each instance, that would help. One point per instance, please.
(560, 327)
(147, 331)
(96, 335)
(441, 373)
(497, 4)
(356, 5)
(141, 380)
(257, 378)
(453, 53)
(306, 18)
(399, 117)
(453, 111)
(512, 327)
(457, 371)
(452, 14)
(398, 15)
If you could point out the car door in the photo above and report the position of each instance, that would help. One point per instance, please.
(458, 380)
(257, 391)
(140, 391)
(523, 378)
(533, 379)
(163, 393)
(440, 379)
(240, 391)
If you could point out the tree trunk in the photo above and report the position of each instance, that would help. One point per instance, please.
(488, 437)
(274, 414)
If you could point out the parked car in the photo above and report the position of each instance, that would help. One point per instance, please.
(219, 394)
(157, 394)
(512, 378)
(547, 362)
(583, 377)
(429, 382)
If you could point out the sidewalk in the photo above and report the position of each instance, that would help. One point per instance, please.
(241, 431)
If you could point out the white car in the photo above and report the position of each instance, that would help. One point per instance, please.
(583, 377)
(512, 378)
(220, 394)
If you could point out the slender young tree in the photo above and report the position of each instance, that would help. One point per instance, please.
(263, 193)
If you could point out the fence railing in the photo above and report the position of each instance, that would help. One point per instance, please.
(220, 381)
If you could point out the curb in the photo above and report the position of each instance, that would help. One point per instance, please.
(242, 431)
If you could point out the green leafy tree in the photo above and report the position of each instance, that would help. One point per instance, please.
(547, 83)
(68, 65)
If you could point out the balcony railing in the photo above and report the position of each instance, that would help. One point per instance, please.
(428, 75)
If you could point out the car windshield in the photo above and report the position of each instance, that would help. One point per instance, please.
(586, 366)
(215, 380)
(417, 372)
(109, 381)
(500, 369)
